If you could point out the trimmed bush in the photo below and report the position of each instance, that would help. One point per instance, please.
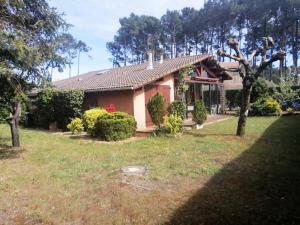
(173, 124)
(264, 107)
(115, 126)
(90, 118)
(199, 114)
(156, 109)
(75, 126)
(177, 108)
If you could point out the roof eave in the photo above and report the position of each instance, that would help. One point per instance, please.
(109, 89)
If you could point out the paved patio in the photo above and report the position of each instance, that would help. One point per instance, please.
(188, 123)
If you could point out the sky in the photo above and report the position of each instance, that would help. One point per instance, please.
(96, 22)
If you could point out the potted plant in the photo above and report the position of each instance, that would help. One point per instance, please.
(199, 114)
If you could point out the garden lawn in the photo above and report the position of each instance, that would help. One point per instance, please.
(207, 176)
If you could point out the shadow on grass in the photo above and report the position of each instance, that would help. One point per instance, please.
(260, 187)
(8, 152)
(207, 134)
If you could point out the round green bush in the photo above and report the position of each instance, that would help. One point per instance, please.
(115, 126)
(75, 126)
(177, 108)
(199, 114)
(89, 119)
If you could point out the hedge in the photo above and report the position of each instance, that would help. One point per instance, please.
(58, 106)
(115, 126)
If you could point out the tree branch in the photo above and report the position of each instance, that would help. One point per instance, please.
(224, 54)
(254, 53)
(275, 57)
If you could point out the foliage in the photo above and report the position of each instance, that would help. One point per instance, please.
(285, 92)
(4, 113)
(34, 41)
(291, 104)
(177, 108)
(290, 111)
(233, 98)
(76, 126)
(45, 112)
(115, 126)
(110, 108)
(193, 31)
(58, 105)
(67, 105)
(90, 118)
(199, 113)
(173, 124)
(156, 109)
(260, 89)
(182, 87)
(265, 106)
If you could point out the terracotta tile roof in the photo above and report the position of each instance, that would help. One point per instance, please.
(129, 77)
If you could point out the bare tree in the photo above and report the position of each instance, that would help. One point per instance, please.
(250, 73)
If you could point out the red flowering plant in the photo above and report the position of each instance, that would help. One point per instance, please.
(110, 108)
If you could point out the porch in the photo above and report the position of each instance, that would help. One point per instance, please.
(210, 91)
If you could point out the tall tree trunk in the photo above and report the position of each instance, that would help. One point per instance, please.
(78, 62)
(244, 111)
(295, 51)
(14, 123)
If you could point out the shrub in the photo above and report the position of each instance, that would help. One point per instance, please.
(173, 124)
(289, 111)
(260, 89)
(90, 118)
(177, 108)
(58, 105)
(115, 126)
(284, 92)
(67, 105)
(110, 108)
(199, 114)
(265, 106)
(76, 126)
(44, 113)
(156, 109)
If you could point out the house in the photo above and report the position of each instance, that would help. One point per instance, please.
(130, 88)
(236, 83)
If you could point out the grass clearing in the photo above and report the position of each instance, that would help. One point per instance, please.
(207, 176)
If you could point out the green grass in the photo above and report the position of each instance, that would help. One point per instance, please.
(55, 179)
